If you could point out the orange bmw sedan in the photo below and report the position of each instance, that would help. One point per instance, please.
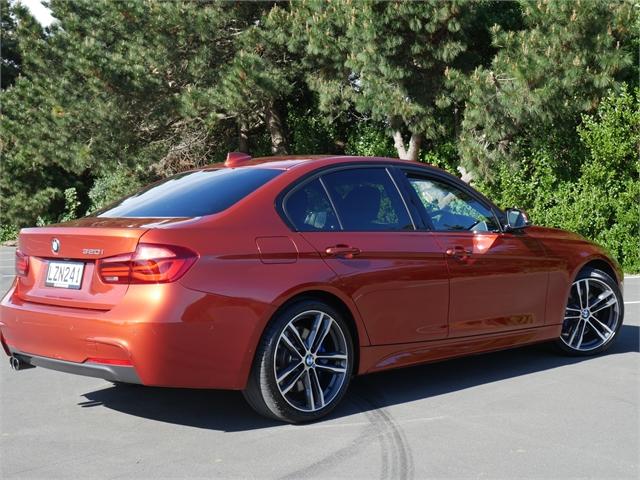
(284, 277)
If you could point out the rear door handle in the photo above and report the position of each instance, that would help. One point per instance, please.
(344, 251)
(459, 251)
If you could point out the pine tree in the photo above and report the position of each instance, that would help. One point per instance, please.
(9, 53)
(388, 60)
(544, 77)
(135, 84)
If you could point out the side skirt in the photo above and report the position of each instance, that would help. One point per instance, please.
(385, 357)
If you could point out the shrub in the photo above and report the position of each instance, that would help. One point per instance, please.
(444, 156)
(113, 186)
(603, 202)
(71, 205)
(8, 232)
(309, 133)
(371, 140)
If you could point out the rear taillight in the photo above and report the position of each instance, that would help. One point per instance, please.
(148, 264)
(22, 264)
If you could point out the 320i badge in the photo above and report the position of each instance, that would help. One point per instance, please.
(284, 277)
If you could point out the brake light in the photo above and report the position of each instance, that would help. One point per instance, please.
(150, 263)
(22, 264)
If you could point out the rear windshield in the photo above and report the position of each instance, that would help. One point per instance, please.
(191, 194)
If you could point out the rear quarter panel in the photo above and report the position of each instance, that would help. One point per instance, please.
(246, 286)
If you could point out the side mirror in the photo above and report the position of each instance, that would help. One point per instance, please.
(516, 219)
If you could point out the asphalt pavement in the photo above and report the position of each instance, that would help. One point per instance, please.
(524, 413)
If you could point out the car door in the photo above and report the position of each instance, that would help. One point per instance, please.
(359, 223)
(498, 280)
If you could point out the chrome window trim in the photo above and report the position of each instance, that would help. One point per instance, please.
(404, 202)
(283, 196)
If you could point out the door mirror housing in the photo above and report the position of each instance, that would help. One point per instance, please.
(516, 219)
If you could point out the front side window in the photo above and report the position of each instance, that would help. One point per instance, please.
(309, 209)
(366, 199)
(452, 209)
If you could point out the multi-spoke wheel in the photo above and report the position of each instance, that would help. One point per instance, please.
(303, 365)
(310, 363)
(593, 314)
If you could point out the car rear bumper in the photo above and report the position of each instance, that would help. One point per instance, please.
(158, 335)
(114, 373)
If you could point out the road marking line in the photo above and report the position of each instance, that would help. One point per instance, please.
(629, 303)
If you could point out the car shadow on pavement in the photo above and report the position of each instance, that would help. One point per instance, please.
(227, 410)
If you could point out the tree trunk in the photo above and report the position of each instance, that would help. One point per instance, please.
(414, 147)
(279, 144)
(413, 151)
(410, 153)
(243, 137)
(465, 175)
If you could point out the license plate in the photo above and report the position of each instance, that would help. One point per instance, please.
(64, 275)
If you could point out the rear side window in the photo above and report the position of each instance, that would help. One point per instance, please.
(309, 209)
(367, 199)
(191, 194)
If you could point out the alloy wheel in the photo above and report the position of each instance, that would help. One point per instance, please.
(311, 361)
(591, 316)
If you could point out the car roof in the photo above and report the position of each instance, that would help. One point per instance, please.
(305, 164)
(285, 162)
(301, 165)
(288, 162)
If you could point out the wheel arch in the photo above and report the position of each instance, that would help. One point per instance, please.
(599, 263)
(356, 328)
(609, 267)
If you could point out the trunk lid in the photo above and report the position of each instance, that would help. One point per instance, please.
(82, 242)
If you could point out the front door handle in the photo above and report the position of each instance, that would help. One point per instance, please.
(344, 251)
(458, 251)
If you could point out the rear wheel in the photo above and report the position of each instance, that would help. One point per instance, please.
(303, 364)
(593, 315)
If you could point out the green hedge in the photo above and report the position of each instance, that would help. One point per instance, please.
(602, 201)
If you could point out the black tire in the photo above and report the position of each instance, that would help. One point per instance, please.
(599, 276)
(262, 392)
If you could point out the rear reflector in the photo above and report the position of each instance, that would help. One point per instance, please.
(150, 263)
(109, 361)
(5, 345)
(22, 264)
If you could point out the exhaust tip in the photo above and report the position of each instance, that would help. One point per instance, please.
(16, 364)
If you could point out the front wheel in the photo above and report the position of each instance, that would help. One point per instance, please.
(303, 364)
(593, 315)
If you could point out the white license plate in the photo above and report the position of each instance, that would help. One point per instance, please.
(64, 274)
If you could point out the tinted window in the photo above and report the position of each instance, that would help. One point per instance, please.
(309, 209)
(450, 208)
(367, 200)
(191, 194)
